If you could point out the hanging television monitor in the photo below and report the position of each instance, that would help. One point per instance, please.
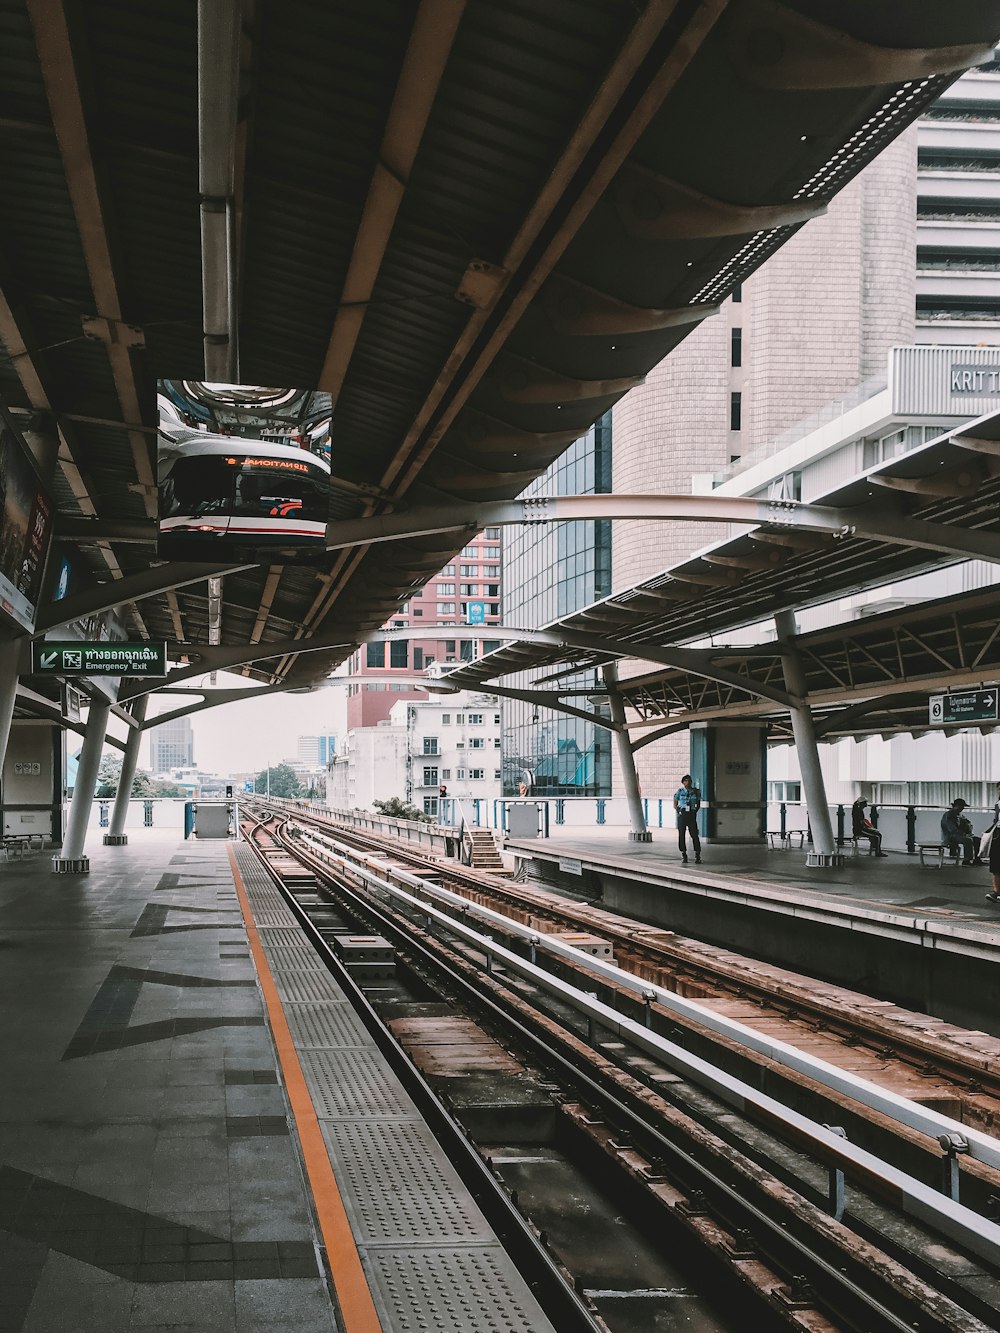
(243, 472)
(25, 527)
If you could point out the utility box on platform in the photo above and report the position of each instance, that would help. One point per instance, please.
(729, 764)
(31, 785)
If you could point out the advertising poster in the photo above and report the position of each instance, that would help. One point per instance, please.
(25, 528)
(243, 472)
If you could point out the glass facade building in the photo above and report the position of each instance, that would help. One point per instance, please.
(549, 571)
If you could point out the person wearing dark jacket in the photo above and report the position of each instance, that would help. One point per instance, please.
(862, 827)
(956, 832)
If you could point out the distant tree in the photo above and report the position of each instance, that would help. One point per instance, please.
(283, 782)
(109, 775)
(395, 808)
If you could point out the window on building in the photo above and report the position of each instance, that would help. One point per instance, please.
(496, 719)
(497, 774)
(418, 659)
(470, 552)
(459, 717)
(475, 719)
(399, 654)
(431, 776)
(493, 590)
(446, 590)
(736, 347)
(468, 650)
(496, 742)
(430, 745)
(491, 552)
(491, 572)
(446, 608)
(430, 805)
(418, 610)
(448, 569)
(477, 743)
(375, 654)
(738, 293)
(492, 534)
(470, 589)
(470, 571)
(735, 410)
(459, 774)
(475, 774)
(446, 775)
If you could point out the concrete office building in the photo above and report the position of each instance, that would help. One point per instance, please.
(171, 746)
(807, 337)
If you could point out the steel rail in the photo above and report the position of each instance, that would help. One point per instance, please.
(792, 1252)
(523, 1244)
(958, 1223)
(982, 1147)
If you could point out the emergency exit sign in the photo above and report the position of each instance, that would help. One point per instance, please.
(970, 706)
(73, 658)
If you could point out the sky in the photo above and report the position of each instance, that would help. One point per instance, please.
(239, 737)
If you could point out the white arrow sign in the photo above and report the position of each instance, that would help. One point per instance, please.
(48, 660)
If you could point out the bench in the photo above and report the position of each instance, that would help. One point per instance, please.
(785, 839)
(938, 849)
(19, 843)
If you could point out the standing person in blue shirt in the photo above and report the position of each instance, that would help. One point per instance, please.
(687, 802)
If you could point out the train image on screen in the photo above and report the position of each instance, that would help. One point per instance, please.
(222, 493)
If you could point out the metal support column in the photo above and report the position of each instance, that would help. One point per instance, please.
(116, 835)
(10, 655)
(639, 832)
(72, 860)
(824, 851)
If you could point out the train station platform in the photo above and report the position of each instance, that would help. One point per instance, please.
(925, 935)
(196, 1133)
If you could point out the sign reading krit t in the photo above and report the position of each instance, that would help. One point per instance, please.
(475, 613)
(968, 706)
(49, 658)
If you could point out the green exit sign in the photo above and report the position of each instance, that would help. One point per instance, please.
(51, 658)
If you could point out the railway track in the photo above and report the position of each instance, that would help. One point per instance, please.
(821, 1233)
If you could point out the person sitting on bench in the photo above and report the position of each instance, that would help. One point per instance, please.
(862, 827)
(956, 832)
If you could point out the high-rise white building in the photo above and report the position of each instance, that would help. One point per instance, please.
(171, 745)
(316, 751)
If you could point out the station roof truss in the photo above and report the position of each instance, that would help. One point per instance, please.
(950, 484)
(474, 225)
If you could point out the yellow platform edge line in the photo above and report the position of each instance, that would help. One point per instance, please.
(350, 1283)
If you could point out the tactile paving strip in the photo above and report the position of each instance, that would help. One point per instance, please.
(431, 1258)
(302, 959)
(455, 1289)
(325, 1025)
(283, 935)
(305, 985)
(354, 1082)
(399, 1185)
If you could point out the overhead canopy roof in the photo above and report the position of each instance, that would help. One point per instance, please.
(945, 493)
(474, 225)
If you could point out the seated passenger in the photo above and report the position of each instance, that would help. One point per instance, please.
(956, 832)
(862, 827)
